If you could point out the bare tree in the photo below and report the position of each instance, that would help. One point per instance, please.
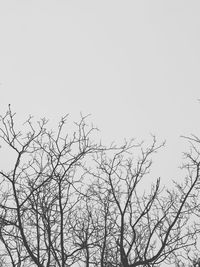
(148, 228)
(69, 201)
(191, 165)
(41, 191)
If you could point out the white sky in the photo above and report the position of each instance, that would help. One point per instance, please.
(134, 65)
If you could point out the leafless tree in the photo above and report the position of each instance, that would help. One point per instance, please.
(69, 201)
(42, 190)
(150, 227)
(192, 169)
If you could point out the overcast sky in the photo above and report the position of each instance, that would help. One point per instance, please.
(134, 65)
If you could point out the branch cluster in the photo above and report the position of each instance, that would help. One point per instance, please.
(70, 201)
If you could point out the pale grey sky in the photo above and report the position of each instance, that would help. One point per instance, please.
(134, 65)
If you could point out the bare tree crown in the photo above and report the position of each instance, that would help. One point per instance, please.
(67, 200)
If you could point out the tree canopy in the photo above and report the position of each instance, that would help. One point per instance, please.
(69, 200)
